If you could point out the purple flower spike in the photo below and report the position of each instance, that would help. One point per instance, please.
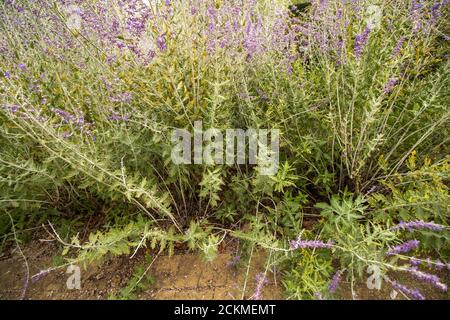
(390, 85)
(234, 261)
(124, 97)
(111, 59)
(315, 244)
(404, 248)
(429, 278)
(440, 265)
(38, 276)
(261, 281)
(414, 262)
(318, 295)
(161, 42)
(399, 46)
(12, 108)
(412, 225)
(413, 293)
(335, 281)
(360, 42)
(117, 117)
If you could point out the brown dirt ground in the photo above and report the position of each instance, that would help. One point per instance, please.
(182, 276)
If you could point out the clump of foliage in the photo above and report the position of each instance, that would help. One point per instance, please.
(90, 94)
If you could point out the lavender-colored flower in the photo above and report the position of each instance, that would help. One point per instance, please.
(296, 244)
(7, 74)
(415, 6)
(398, 46)
(121, 98)
(318, 295)
(77, 120)
(439, 265)
(392, 82)
(415, 13)
(39, 275)
(12, 108)
(67, 134)
(161, 42)
(436, 11)
(111, 58)
(412, 225)
(414, 262)
(117, 117)
(261, 281)
(234, 261)
(413, 293)
(404, 248)
(262, 94)
(360, 42)
(211, 12)
(426, 277)
(66, 116)
(120, 45)
(22, 66)
(335, 281)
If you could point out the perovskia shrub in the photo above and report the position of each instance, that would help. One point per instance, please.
(91, 92)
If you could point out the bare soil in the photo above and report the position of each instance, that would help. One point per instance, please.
(182, 276)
